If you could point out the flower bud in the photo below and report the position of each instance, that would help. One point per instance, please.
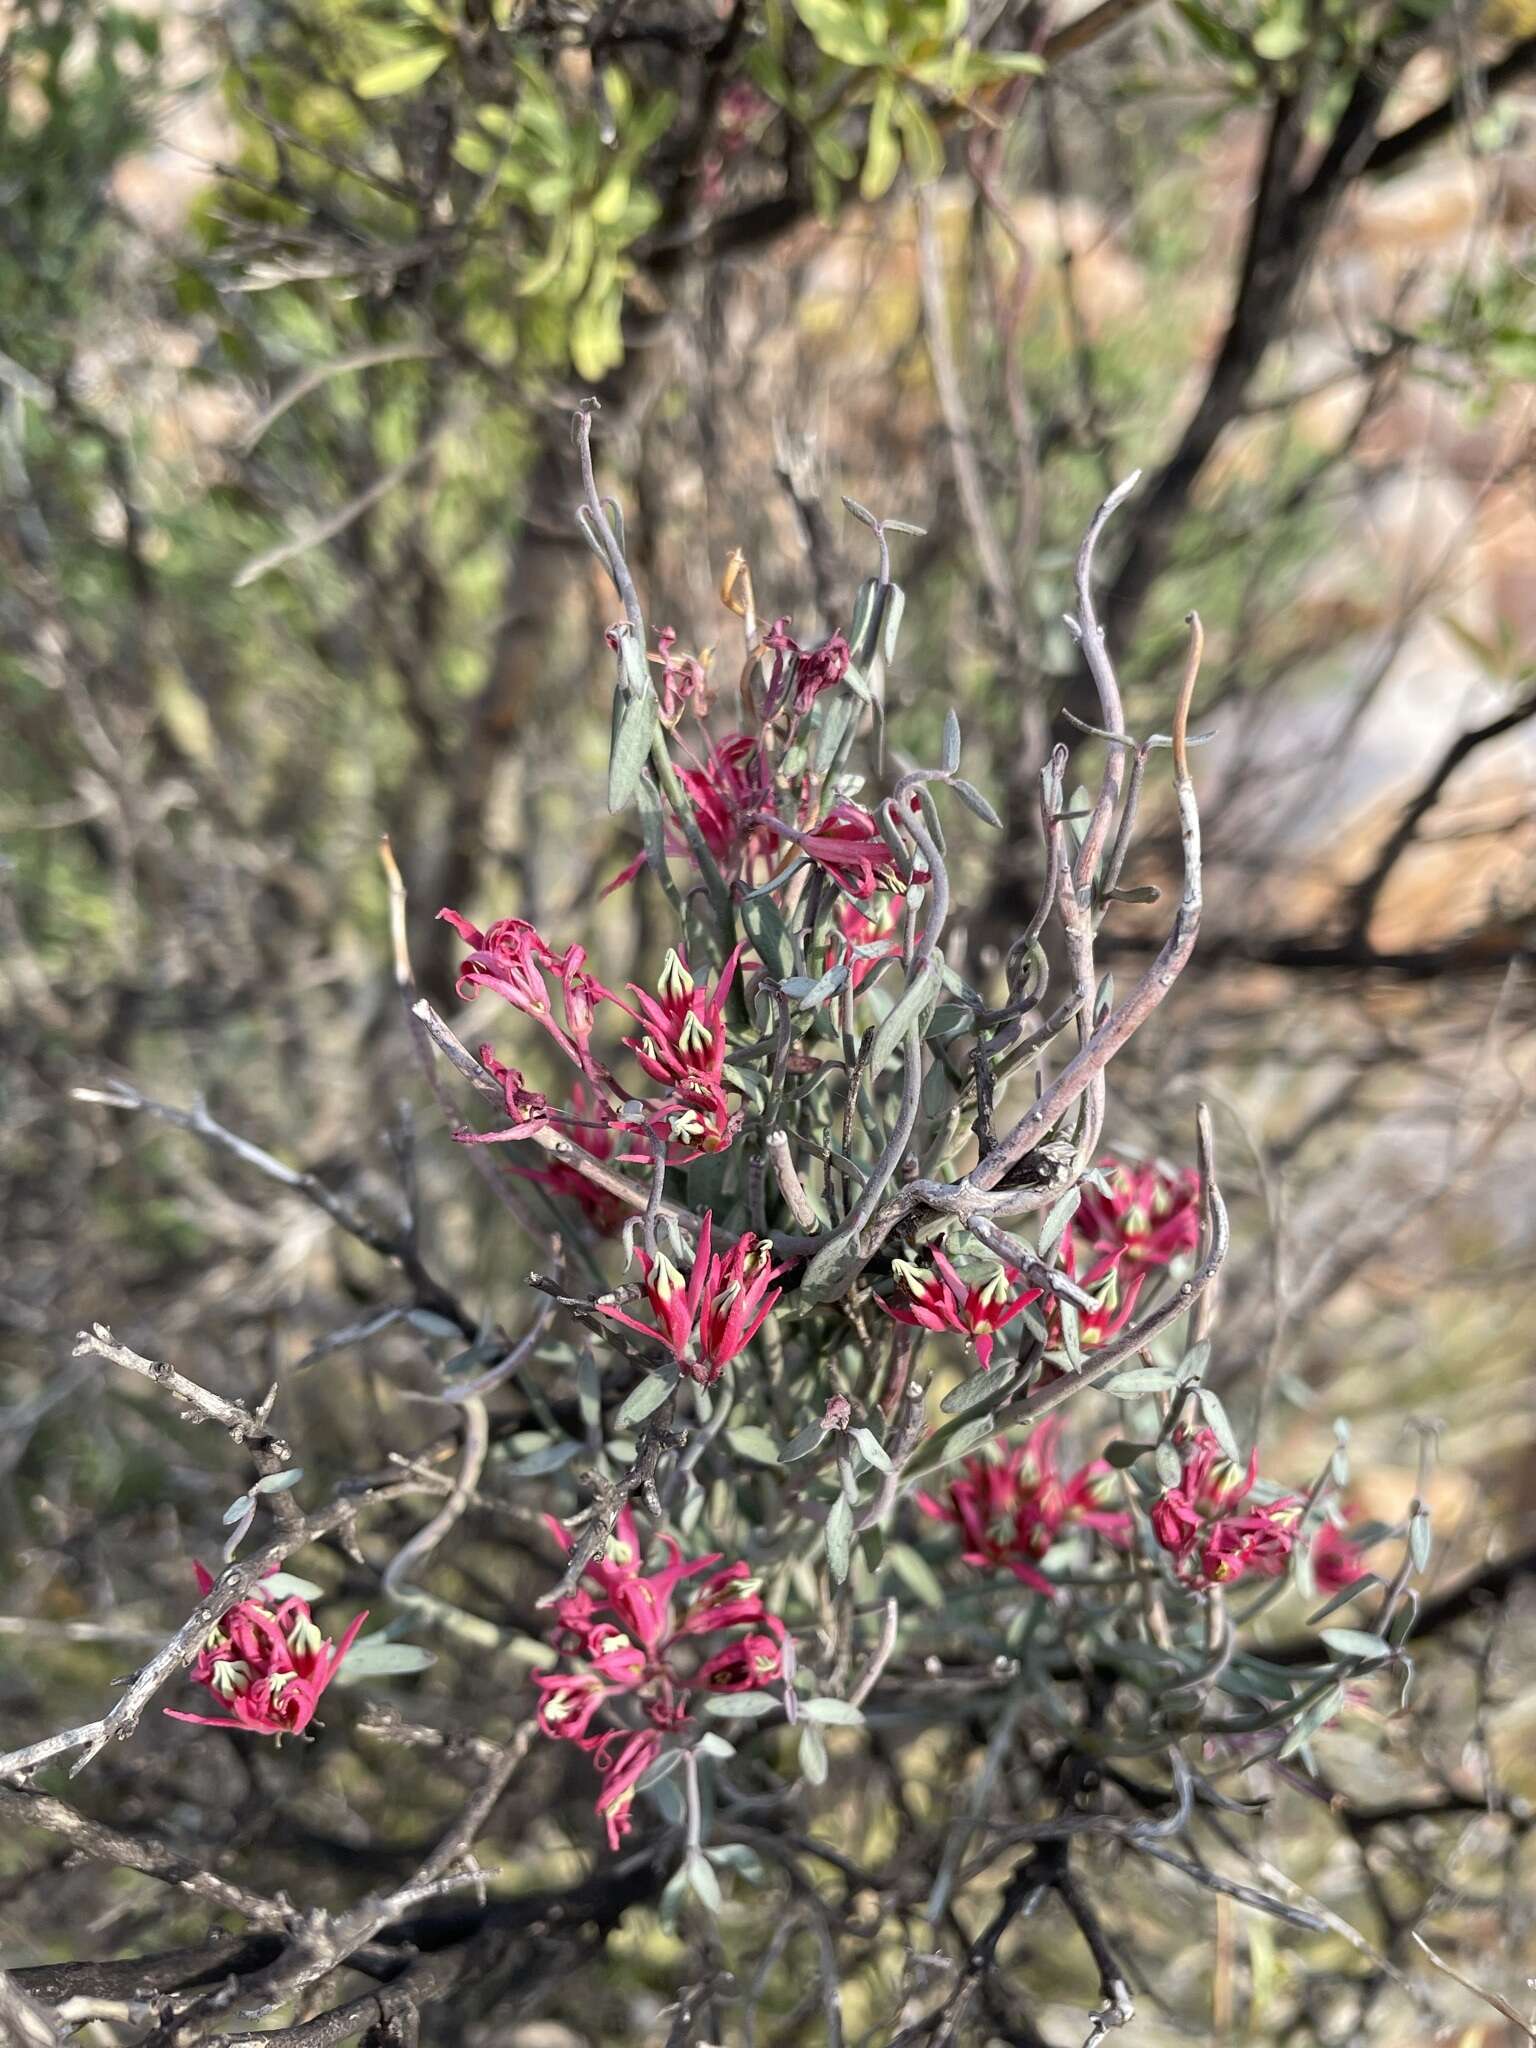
(674, 984)
(694, 1035)
(229, 1676)
(917, 1283)
(303, 1636)
(665, 1280)
(996, 1290)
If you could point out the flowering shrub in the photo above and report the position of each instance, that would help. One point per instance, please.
(832, 1239)
(816, 1089)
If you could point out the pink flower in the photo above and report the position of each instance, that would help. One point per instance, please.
(694, 1119)
(1149, 1217)
(811, 670)
(733, 799)
(682, 1041)
(1011, 1511)
(1202, 1522)
(623, 1759)
(738, 1298)
(1337, 1561)
(674, 1301)
(512, 960)
(756, 1660)
(710, 1318)
(729, 794)
(629, 1646)
(1116, 1301)
(570, 1699)
(268, 1665)
(849, 847)
(941, 1300)
(683, 679)
(528, 1110)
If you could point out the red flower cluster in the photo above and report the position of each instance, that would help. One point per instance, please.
(1012, 1511)
(1116, 1299)
(682, 1039)
(811, 670)
(708, 1319)
(512, 960)
(268, 1665)
(682, 1044)
(628, 1645)
(941, 1300)
(1149, 1217)
(1337, 1560)
(1203, 1523)
(730, 793)
(849, 847)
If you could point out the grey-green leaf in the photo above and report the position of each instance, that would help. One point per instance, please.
(278, 1482)
(647, 1397)
(949, 749)
(974, 801)
(374, 1658)
(1141, 1379)
(838, 1536)
(634, 727)
(1354, 1642)
(739, 1706)
(752, 1441)
(833, 1713)
(952, 1441)
(1216, 1415)
(872, 1448)
(550, 1458)
(813, 1755)
(809, 1439)
(1321, 1710)
(906, 1011)
(703, 1881)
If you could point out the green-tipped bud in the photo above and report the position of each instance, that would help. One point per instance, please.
(995, 1293)
(917, 1283)
(694, 1035)
(675, 984)
(229, 1677)
(665, 1280)
(304, 1637)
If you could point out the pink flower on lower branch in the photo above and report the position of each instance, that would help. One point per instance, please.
(267, 1664)
(694, 1119)
(711, 1317)
(851, 850)
(635, 1655)
(1337, 1560)
(941, 1300)
(1114, 1293)
(1012, 1510)
(1148, 1217)
(1207, 1523)
(623, 1758)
